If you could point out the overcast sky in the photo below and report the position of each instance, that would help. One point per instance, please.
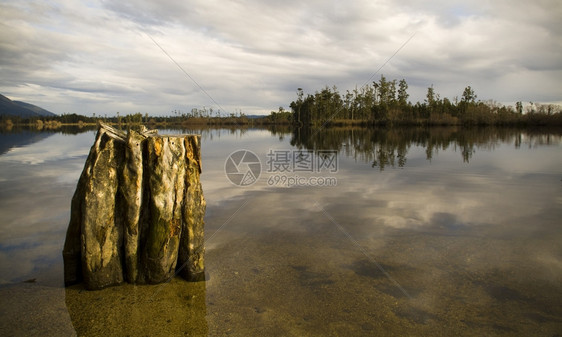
(86, 57)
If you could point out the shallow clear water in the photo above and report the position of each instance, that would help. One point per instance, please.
(440, 232)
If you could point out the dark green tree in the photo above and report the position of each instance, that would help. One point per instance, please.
(519, 107)
(391, 99)
(384, 90)
(403, 93)
(467, 100)
(468, 95)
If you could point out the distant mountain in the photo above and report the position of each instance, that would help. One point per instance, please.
(21, 109)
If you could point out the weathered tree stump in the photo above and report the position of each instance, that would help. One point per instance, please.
(137, 213)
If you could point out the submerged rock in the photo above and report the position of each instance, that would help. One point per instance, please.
(137, 213)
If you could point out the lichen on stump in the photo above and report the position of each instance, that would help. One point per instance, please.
(137, 213)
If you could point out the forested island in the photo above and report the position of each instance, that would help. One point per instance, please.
(385, 103)
(382, 103)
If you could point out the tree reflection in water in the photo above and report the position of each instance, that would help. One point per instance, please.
(384, 147)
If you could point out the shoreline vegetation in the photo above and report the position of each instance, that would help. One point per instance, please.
(382, 103)
(385, 103)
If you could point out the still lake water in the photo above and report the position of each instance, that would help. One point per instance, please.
(426, 232)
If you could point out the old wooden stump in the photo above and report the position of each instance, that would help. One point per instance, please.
(137, 213)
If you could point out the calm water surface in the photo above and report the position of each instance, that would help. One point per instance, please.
(426, 232)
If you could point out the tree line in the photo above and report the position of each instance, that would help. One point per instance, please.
(177, 119)
(380, 103)
(385, 102)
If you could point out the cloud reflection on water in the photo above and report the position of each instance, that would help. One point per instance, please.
(463, 238)
(504, 185)
(37, 181)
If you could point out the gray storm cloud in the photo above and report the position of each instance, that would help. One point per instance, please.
(96, 57)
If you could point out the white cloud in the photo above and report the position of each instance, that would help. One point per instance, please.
(95, 57)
